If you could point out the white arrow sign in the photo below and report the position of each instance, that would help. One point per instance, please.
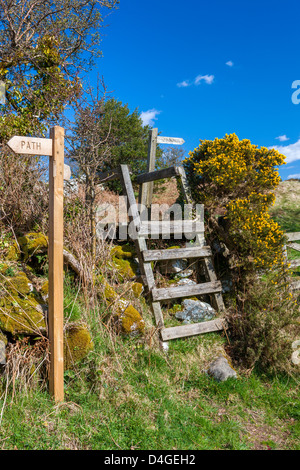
(30, 145)
(35, 146)
(169, 140)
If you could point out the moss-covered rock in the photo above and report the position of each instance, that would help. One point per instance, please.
(45, 290)
(123, 258)
(3, 337)
(20, 308)
(137, 289)
(127, 318)
(130, 321)
(18, 284)
(3, 268)
(32, 244)
(14, 253)
(78, 343)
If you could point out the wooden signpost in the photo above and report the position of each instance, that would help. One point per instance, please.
(154, 139)
(54, 148)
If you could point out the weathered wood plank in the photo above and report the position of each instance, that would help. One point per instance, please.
(161, 227)
(166, 293)
(157, 175)
(295, 285)
(294, 263)
(210, 276)
(192, 329)
(176, 253)
(294, 246)
(147, 188)
(293, 236)
(185, 186)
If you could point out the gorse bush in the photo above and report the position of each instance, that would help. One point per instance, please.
(236, 180)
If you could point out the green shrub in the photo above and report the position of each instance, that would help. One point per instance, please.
(235, 181)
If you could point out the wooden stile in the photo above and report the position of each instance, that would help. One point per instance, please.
(197, 252)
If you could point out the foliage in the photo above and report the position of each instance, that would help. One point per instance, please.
(41, 50)
(106, 134)
(236, 182)
(128, 395)
(172, 156)
(23, 196)
(264, 324)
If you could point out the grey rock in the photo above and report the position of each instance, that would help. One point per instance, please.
(186, 282)
(184, 274)
(221, 370)
(195, 311)
(173, 266)
(2, 352)
(226, 285)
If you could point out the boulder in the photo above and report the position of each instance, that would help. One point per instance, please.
(221, 370)
(195, 311)
(21, 308)
(127, 318)
(32, 244)
(123, 258)
(78, 343)
(3, 343)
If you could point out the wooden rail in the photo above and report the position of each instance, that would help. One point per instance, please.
(294, 243)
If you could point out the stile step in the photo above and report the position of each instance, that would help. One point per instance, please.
(168, 293)
(177, 253)
(178, 227)
(191, 329)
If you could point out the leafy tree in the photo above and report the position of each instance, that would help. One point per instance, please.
(43, 46)
(106, 134)
(172, 156)
(107, 127)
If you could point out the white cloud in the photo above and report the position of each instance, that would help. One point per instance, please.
(230, 63)
(183, 84)
(296, 176)
(282, 138)
(148, 117)
(292, 151)
(207, 78)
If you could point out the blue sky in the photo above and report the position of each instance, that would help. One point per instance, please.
(200, 70)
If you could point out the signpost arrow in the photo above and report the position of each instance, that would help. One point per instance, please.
(35, 146)
(30, 145)
(169, 140)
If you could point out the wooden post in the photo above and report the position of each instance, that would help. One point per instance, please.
(56, 311)
(147, 188)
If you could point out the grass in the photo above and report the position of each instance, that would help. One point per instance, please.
(286, 210)
(130, 395)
